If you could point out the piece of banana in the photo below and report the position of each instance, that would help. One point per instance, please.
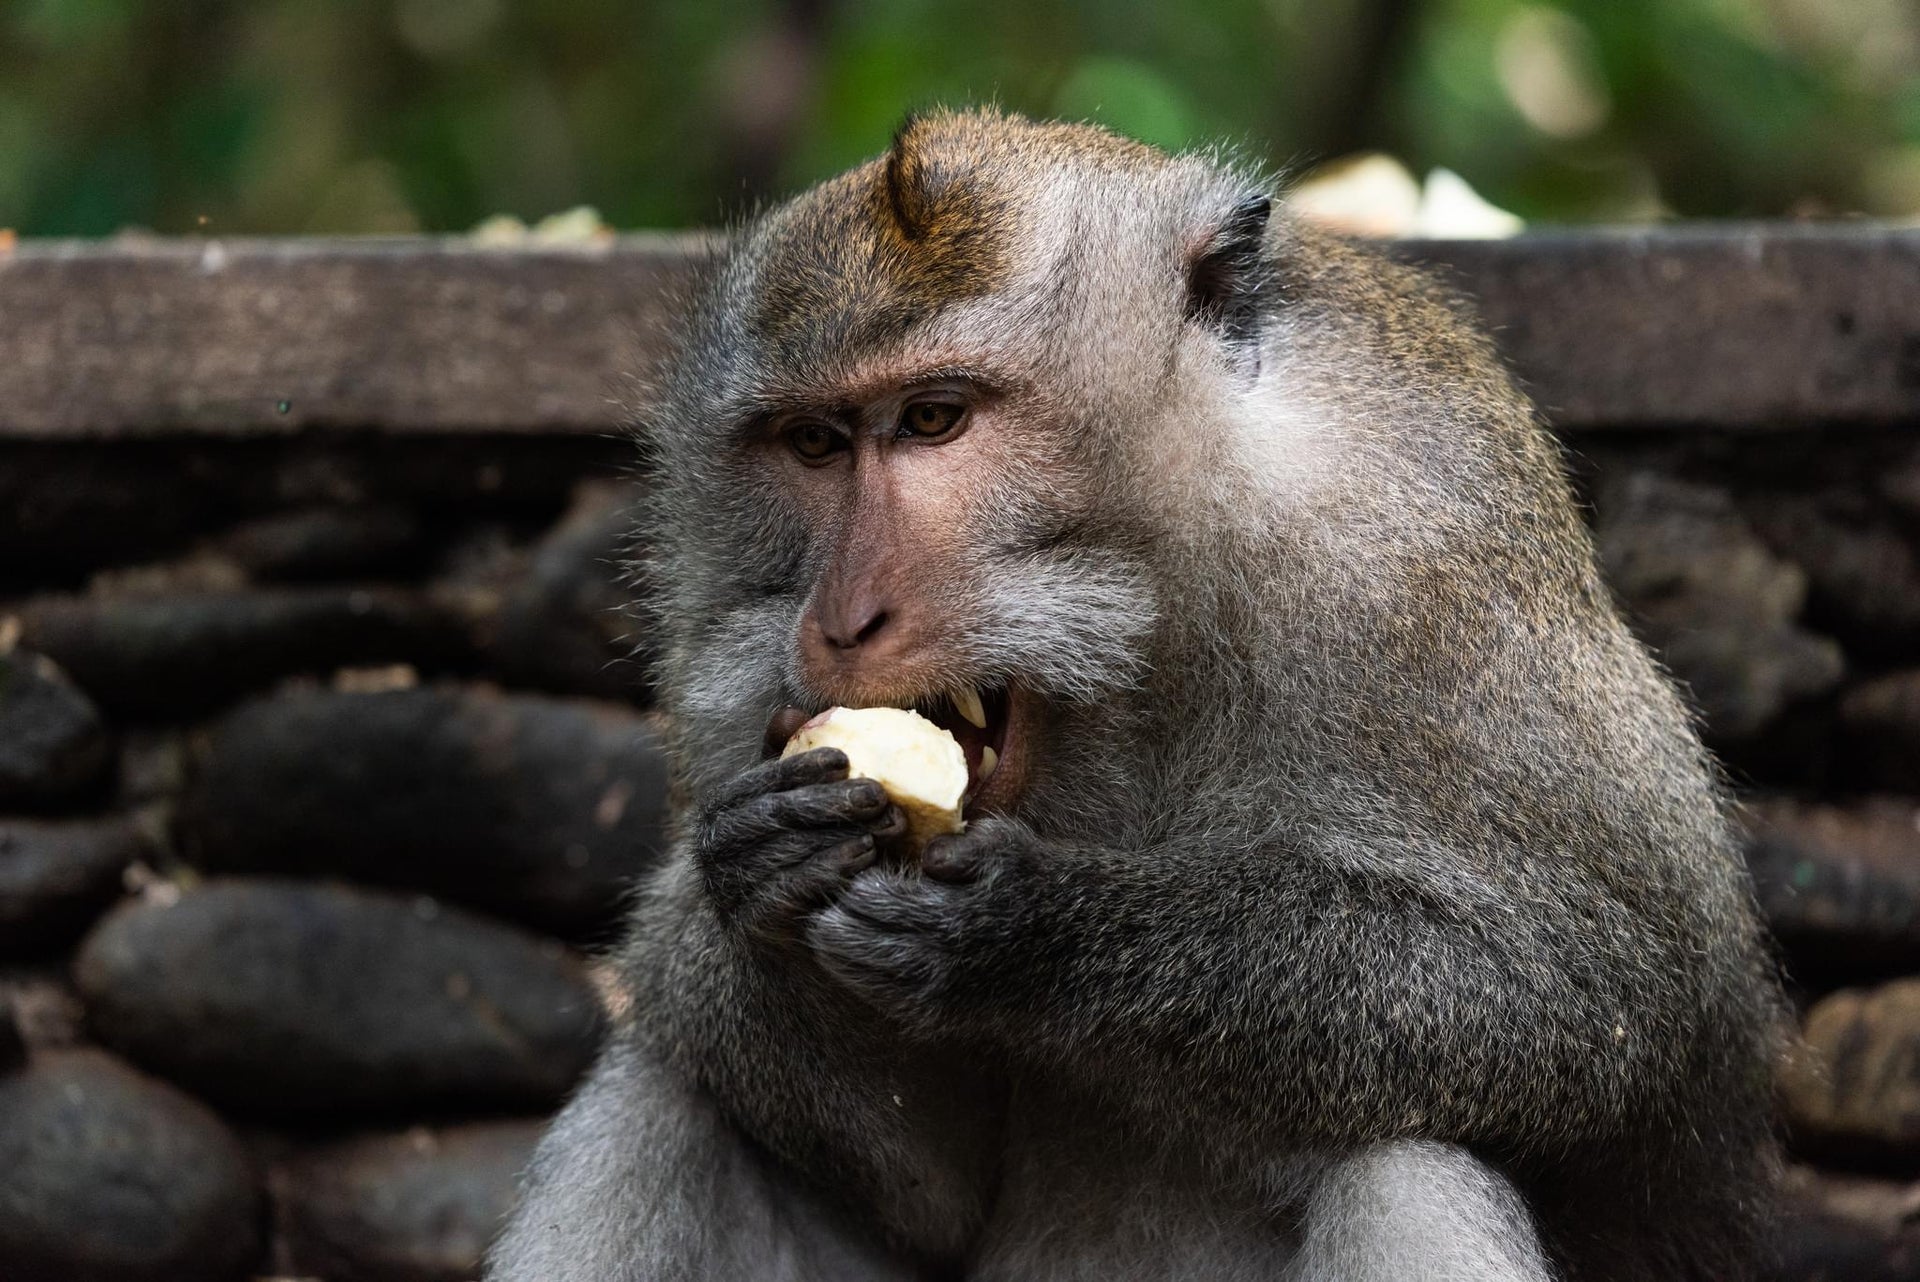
(920, 765)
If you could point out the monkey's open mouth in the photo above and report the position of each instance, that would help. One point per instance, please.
(983, 723)
(989, 725)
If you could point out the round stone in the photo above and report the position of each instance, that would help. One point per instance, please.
(57, 875)
(53, 746)
(306, 997)
(415, 1207)
(111, 1176)
(545, 810)
(1851, 1090)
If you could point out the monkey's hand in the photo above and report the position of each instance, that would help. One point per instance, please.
(931, 949)
(783, 837)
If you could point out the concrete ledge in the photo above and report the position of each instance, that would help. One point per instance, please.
(113, 339)
(1721, 326)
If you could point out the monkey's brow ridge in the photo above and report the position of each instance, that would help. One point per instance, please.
(751, 413)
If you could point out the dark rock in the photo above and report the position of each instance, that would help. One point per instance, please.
(541, 809)
(53, 747)
(300, 997)
(557, 617)
(1799, 752)
(66, 510)
(166, 655)
(1720, 608)
(1863, 569)
(1847, 1228)
(13, 1043)
(443, 479)
(68, 507)
(153, 767)
(1852, 1090)
(202, 572)
(46, 1009)
(417, 1207)
(1840, 886)
(1898, 481)
(1881, 720)
(56, 876)
(326, 543)
(114, 1177)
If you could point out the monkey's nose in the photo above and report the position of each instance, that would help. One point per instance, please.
(850, 624)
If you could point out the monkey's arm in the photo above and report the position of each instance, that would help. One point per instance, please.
(730, 1011)
(1275, 998)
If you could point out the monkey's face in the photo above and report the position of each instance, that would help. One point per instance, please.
(906, 444)
(929, 502)
(922, 526)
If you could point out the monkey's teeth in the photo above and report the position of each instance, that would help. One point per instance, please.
(988, 760)
(967, 704)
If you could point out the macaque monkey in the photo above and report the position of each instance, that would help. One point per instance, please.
(1344, 893)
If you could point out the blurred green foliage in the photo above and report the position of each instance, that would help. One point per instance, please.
(396, 115)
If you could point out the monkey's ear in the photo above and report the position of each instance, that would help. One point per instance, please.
(1228, 274)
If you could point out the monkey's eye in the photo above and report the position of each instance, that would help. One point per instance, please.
(930, 418)
(813, 441)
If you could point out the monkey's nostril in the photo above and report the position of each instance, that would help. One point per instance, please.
(851, 630)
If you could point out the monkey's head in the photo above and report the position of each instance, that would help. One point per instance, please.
(1012, 413)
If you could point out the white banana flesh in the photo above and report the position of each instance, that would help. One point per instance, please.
(921, 766)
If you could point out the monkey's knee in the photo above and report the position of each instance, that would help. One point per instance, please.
(1416, 1211)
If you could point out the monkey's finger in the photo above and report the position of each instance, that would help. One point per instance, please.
(892, 823)
(953, 859)
(886, 937)
(818, 765)
(840, 803)
(768, 904)
(818, 880)
(850, 857)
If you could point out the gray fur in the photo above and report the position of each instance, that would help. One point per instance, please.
(1372, 911)
(642, 1180)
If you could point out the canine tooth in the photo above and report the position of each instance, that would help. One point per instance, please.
(967, 704)
(988, 760)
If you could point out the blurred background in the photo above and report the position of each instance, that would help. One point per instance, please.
(369, 116)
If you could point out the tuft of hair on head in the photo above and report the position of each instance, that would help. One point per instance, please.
(904, 179)
(1227, 274)
(925, 194)
(941, 220)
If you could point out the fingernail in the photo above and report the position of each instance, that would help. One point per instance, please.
(943, 861)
